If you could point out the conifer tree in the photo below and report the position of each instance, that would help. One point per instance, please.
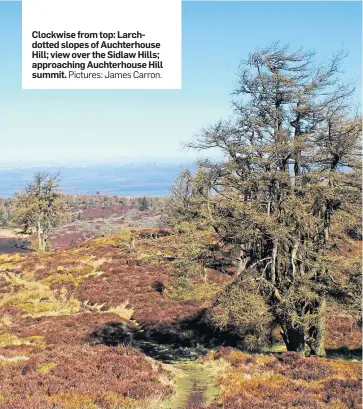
(40, 206)
(291, 169)
(144, 205)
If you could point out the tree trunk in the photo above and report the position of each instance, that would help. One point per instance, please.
(273, 261)
(294, 339)
(45, 240)
(317, 332)
(243, 260)
(203, 274)
(293, 266)
(39, 233)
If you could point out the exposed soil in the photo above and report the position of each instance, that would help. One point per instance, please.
(7, 236)
(195, 386)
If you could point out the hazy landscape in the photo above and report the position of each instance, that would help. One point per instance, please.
(128, 179)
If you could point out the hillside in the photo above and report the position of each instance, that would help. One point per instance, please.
(101, 325)
(88, 217)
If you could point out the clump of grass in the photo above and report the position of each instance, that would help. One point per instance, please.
(7, 261)
(125, 236)
(93, 307)
(183, 290)
(74, 401)
(45, 367)
(12, 359)
(61, 278)
(5, 321)
(123, 310)
(7, 340)
(10, 340)
(37, 300)
(106, 241)
(112, 400)
(76, 277)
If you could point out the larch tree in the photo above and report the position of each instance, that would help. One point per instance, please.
(292, 162)
(179, 205)
(40, 207)
(143, 204)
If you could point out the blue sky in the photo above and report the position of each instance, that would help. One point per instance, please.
(58, 127)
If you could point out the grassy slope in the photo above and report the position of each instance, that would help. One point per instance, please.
(51, 303)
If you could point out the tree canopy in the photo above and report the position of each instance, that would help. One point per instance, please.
(291, 172)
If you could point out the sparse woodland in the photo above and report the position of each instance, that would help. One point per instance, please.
(243, 293)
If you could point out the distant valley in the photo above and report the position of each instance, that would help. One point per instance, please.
(132, 179)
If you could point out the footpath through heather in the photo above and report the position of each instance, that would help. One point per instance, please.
(195, 386)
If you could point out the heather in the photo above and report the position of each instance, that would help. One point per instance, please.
(79, 329)
(286, 381)
(241, 290)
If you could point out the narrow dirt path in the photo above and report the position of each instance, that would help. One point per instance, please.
(194, 386)
(197, 391)
(194, 381)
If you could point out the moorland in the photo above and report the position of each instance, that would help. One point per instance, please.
(241, 290)
(105, 323)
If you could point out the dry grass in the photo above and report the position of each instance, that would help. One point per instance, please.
(37, 300)
(123, 310)
(289, 381)
(11, 340)
(51, 303)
